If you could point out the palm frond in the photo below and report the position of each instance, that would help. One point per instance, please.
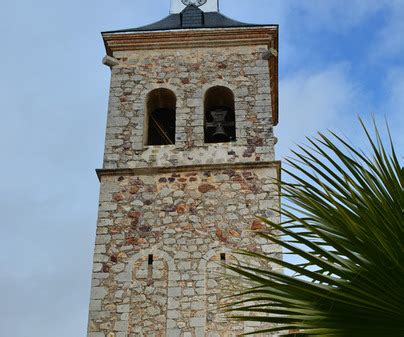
(344, 218)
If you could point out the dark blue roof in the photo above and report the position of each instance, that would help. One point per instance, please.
(190, 17)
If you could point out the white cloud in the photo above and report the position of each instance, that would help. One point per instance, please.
(317, 101)
(389, 42)
(329, 99)
(393, 107)
(335, 15)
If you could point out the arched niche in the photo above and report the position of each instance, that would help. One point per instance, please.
(220, 116)
(148, 301)
(220, 282)
(160, 117)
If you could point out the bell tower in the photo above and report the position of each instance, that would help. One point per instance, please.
(189, 163)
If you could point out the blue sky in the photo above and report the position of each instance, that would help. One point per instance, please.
(338, 58)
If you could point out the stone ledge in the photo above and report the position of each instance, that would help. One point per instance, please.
(207, 167)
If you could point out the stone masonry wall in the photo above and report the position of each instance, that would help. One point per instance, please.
(189, 73)
(185, 220)
(191, 206)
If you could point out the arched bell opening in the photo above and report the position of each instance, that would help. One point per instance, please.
(220, 116)
(161, 109)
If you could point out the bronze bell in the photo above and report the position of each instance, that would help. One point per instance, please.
(219, 117)
(220, 134)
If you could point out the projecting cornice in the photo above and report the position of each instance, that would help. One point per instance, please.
(192, 38)
(186, 168)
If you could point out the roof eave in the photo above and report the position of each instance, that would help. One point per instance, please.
(128, 31)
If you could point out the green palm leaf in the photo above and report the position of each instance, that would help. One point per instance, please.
(344, 217)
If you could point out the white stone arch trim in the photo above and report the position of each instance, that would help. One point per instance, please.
(217, 83)
(212, 84)
(153, 86)
(146, 253)
(126, 275)
(215, 252)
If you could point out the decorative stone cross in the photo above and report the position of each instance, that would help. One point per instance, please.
(177, 6)
(194, 2)
(217, 126)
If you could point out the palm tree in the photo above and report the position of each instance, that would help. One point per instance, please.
(343, 216)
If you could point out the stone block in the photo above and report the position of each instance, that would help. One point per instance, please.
(173, 332)
(173, 314)
(189, 292)
(120, 326)
(197, 322)
(199, 332)
(118, 121)
(110, 61)
(98, 293)
(97, 267)
(95, 305)
(122, 308)
(171, 324)
(174, 292)
(173, 304)
(194, 102)
(197, 305)
(96, 334)
(108, 206)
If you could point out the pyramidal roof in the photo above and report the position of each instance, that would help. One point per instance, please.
(191, 17)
